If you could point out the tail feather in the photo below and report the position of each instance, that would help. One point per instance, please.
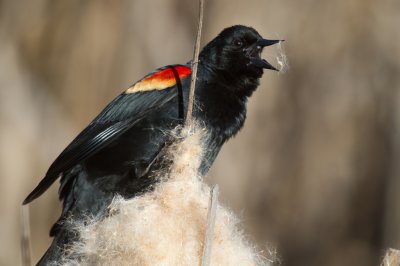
(46, 182)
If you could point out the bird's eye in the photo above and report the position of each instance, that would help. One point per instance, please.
(237, 43)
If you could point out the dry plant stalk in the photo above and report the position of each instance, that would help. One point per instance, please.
(25, 236)
(212, 207)
(392, 258)
(195, 62)
(211, 218)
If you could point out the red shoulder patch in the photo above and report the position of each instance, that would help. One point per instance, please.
(162, 79)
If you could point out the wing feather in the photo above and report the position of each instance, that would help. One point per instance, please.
(119, 116)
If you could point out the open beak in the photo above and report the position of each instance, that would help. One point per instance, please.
(256, 59)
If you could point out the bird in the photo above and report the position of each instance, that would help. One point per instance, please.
(119, 150)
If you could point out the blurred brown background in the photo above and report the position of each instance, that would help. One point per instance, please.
(315, 170)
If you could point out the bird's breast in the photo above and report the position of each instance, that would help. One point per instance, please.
(224, 116)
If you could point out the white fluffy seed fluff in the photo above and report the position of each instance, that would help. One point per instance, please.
(392, 258)
(167, 225)
(281, 59)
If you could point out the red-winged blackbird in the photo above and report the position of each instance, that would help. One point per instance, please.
(117, 152)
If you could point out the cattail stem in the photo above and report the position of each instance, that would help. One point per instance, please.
(211, 217)
(195, 62)
(25, 236)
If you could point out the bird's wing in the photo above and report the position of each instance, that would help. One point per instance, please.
(146, 95)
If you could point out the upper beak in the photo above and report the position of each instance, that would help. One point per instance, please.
(257, 60)
(265, 42)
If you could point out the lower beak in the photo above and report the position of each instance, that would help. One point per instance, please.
(262, 63)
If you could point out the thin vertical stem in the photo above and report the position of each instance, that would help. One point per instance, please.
(195, 62)
(211, 218)
(25, 236)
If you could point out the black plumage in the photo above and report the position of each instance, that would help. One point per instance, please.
(120, 149)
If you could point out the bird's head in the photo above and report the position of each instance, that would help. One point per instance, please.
(236, 51)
